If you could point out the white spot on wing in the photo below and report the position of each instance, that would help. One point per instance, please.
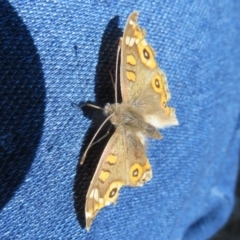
(141, 138)
(132, 41)
(144, 42)
(160, 123)
(131, 22)
(147, 176)
(127, 40)
(94, 194)
(108, 203)
(89, 215)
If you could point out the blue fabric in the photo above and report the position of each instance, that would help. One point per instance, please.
(55, 54)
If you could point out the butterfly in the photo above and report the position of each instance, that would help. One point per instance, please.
(142, 111)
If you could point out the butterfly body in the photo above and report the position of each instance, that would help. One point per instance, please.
(143, 110)
(129, 118)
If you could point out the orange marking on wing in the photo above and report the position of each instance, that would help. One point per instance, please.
(104, 175)
(131, 60)
(112, 159)
(131, 75)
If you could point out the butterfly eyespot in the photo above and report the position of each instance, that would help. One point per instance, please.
(113, 193)
(157, 84)
(167, 110)
(135, 172)
(146, 54)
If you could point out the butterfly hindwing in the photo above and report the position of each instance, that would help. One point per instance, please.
(123, 163)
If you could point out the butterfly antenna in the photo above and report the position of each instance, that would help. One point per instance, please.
(116, 72)
(91, 143)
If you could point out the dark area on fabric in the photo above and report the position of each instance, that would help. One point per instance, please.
(231, 231)
(22, 101)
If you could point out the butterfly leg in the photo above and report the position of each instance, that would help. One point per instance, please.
(91, 105)
(105, 135)
(90, 144)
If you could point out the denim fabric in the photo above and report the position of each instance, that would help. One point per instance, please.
(56, 54)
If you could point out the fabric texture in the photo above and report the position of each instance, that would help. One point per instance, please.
(57, 54)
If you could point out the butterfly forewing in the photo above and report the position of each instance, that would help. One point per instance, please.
(143, 83)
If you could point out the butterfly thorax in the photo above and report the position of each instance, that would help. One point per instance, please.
(130, 119)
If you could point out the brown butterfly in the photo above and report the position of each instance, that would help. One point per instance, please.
(143, 110)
